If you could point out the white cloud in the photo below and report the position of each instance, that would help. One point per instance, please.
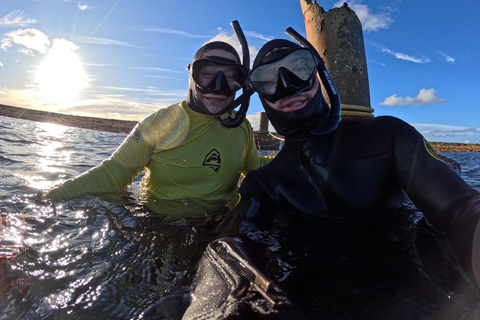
(258, 35)
(63, 45)
(15, 18)
(446, 133)
(403, 56)
(447, 58)
(83, 7)
(233, 41)
(370, 21)
(254, 119)
(31, 39)
(425, 96)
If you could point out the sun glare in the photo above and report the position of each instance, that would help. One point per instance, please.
(60, 76)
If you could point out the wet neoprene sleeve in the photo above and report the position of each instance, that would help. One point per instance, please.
(445, 199)
(185, 154)
(372, 162)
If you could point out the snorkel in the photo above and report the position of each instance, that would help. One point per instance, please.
(335, 105)
(244, 99)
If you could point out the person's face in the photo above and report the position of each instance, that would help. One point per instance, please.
(215, 102)
(297, 101)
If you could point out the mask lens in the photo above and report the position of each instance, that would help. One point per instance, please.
(206, 71)
(264, 78)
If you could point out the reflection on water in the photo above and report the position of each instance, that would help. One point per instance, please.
(49, 148)
(95, 257)
(91, 257)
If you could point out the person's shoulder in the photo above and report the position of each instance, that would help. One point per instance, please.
(383, 123)
(163, 121)
(380, 120)
(394, 125)
(370, 137)
(174, 110)
(176, 107)
(390, 120)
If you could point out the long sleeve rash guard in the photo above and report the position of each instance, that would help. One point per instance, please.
(185, 155)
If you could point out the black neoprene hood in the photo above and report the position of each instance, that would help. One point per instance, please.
(310, 119)
(267, 53)
(193, 102)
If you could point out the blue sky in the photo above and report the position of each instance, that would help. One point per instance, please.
(125, 59)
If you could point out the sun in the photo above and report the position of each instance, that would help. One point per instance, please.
(60, 76)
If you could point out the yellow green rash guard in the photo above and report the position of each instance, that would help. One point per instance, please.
(185, 154)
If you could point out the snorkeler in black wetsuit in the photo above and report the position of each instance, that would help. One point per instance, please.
(349, 170)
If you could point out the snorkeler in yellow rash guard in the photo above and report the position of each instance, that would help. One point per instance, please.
(186, 151)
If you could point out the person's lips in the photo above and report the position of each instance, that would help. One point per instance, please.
(215, 98)
(294, 103)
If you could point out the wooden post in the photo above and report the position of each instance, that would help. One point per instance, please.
(263, 139)
(263, 127)
(338, 37)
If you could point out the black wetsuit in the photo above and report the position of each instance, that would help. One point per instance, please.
(361, 171)
(331, 194)
(335, 197)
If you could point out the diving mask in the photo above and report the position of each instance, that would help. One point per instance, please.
(284, 73)
(218, 75)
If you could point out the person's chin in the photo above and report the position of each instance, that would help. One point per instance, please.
(216, 104)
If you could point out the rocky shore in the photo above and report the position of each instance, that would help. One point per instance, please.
(123, 126)
(454, 147)
(108, 125)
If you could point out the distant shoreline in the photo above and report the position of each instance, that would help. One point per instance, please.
(441, 147)
(125, 126)
(100, 124)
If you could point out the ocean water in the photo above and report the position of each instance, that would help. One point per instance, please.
(94, 257)
(88, 258)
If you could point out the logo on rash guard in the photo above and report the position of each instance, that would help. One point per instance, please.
(212, 160)
(135, 135)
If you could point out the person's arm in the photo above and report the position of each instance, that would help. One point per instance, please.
(445, 199)
(112, 175)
